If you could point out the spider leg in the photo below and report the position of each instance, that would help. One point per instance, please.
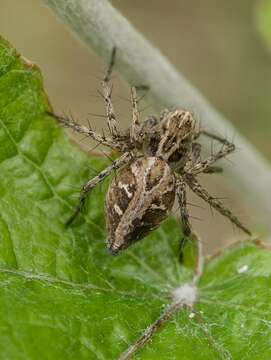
(142, 89)
(196, 152)
(195, 158)
(186, 226)
(71, 123)
(216, 204)
(111, 64)
(181, 196)
(213, 170)
(134, 132)
(213, 136)
(124, 159)
(202, 166)
(107, 96)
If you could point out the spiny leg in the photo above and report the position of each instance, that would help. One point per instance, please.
(213, 170)
(71, 123)
(209, 134)
(196, 152)
(107, 92)
(216, 137)
(134, 132)
(181, 196)
(202, 166)
(196, 158)
(124, 159)
(111, 64)
(216, 204)
(188, 236)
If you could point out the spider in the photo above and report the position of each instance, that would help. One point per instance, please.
(159, 158)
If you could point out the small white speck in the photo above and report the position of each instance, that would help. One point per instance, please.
(185, 294)
(118, 209)
(242, 269)
(191, 315)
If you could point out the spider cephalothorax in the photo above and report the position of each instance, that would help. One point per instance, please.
(160, 157)
(170, 139)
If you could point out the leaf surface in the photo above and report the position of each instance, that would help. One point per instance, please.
(62, 296)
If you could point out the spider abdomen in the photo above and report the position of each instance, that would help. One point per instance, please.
(138, 200)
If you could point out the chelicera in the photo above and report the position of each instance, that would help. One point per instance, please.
(159, 158)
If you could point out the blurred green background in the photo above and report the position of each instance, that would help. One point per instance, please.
(221, 46)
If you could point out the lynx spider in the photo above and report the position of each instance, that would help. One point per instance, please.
(160, 158)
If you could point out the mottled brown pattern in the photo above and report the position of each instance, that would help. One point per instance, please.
(144, 211)
(117, 195)
(154, 175)
(157, 154)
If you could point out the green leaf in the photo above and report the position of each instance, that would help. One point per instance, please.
(62, 296)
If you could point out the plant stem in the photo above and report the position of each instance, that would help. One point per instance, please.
(100, 26)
